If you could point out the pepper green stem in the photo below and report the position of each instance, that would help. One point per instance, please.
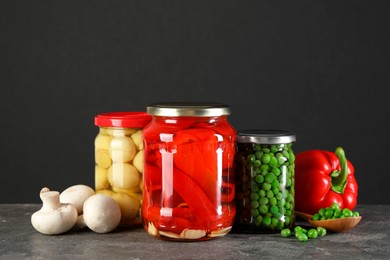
(339, 177)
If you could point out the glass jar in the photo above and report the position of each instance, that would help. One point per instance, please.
(119, 161)
(264, 167)
(188, 171)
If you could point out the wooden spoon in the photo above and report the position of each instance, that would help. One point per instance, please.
(334, 225)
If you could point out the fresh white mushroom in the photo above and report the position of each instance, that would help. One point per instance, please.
(76, 195)
(102, 213)
(54, 217)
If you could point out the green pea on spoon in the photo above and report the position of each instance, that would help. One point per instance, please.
(337, 225)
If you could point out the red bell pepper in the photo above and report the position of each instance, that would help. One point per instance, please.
(323, 178)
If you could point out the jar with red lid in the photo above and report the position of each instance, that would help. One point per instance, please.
(119, 161)
(188, 192)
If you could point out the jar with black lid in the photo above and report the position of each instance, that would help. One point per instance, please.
(264, 169)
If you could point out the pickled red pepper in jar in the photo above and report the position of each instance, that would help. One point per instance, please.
(188, 171)
(119, 161)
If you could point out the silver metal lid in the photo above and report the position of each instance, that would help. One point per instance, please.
(188, 109)
(265, 136)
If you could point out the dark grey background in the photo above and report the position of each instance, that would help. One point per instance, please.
(318, 68)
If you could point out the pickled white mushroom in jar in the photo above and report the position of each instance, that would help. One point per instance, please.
(119, 161)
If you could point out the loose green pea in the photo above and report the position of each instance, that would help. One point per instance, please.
(312, 233)
(297, 229)
(321, 231)
(300, 229)
(301, 236)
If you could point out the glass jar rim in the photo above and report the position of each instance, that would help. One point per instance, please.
(265, 136)
(197, 109)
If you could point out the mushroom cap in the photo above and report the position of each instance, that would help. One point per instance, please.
(102, 213)
(76, 195)
(53, 222)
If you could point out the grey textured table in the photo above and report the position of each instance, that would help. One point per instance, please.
(18, 240)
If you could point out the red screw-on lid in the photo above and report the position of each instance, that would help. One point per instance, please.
(123, 119)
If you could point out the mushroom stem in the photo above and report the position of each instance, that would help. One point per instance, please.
(50, 199)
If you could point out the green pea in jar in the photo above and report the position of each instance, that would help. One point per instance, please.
(264, 170)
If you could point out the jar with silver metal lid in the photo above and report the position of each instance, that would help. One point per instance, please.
(188, 189)
(264, 168)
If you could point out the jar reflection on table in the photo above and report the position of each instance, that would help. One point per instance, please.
(188, 172)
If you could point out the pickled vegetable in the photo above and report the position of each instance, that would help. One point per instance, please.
(188, 189)
(118, 170)
(265, 193)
